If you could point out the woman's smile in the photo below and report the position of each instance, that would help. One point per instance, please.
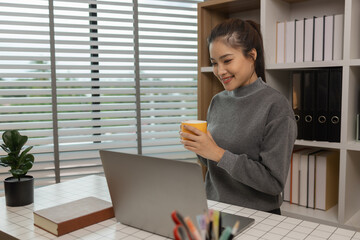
(226, 80)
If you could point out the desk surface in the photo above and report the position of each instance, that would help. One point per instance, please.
(18, 221)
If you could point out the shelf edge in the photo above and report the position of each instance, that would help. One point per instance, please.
(286, 66)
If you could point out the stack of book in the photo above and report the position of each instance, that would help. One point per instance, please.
(310, 39)
(313, 179)
(316, 101)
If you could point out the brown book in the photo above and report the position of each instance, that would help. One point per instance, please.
(68, 217)
(327, 180)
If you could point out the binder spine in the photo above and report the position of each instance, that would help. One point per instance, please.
(322, 114)
(297, 101)
(335, 90)
(309, 104)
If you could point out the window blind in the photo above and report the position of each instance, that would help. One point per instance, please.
(25, 84)
(95, 82)
(168, 72)
(78, 57)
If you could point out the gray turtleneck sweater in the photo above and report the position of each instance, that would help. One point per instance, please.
(255, 124)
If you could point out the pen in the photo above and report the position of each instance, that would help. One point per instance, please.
(226, 234)
(201, 220)
(235, 228)
(195, 233)
(179, 220)
(215, 225)
(209, 234)
(210, 231)
(180, 233)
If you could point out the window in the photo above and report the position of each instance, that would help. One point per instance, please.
(79, 76)
(167, 56)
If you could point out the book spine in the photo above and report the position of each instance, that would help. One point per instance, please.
(85, 221)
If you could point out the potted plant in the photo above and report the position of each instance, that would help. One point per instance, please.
(19, 189)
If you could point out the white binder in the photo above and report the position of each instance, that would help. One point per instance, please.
(328, 38)
(338, 36)
(319, 39)
(309, 40)
(299, 40)
(290, 42)
(280, 42)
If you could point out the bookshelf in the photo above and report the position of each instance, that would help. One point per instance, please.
(267, 12)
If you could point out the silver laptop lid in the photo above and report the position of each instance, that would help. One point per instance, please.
(145, 190)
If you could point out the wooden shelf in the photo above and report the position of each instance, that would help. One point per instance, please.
(353, 222)
(268, 13)
(206, 69)
(317, 144)
(230, 6)
(302, 65)
(355, 62)
(353, 146)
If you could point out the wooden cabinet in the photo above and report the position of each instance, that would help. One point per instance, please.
(268, 12)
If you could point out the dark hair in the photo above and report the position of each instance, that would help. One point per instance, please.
(243, 34)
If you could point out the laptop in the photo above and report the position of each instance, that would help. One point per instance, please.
(145, 191)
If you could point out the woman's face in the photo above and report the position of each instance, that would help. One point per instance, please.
(230, 65)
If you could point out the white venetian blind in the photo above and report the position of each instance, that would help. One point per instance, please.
(95, 82)
(168, 73)
(25, 86)
(86, 99)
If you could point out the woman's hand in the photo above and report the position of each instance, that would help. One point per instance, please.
(202, 144)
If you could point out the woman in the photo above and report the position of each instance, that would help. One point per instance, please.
(251, 126)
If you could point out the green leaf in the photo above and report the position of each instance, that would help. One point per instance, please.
(26, 166)
(10, 160)
(5, 148)
(21, 141)
(27, 150)
(30, 158)
(8, 139)
(5, 160)
(3, 164)
(13, 140)
(17, 172)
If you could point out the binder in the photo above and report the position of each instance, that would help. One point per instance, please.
(310, 203)
(338, 36)
(297, 101)
(334, 107)
(311, 181)
(295, 176)
(303, 179)
(328, 38)
(290, 42)
(321, 102)
(287, 187)
(319, 39)
(280, 42)
(299, 40)
(308, 99)
(309, 40)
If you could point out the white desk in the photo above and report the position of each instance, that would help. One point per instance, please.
(18, 221)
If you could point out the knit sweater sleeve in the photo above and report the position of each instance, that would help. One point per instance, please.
(269, 174)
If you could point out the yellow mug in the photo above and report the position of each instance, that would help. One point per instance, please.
(199, 124)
